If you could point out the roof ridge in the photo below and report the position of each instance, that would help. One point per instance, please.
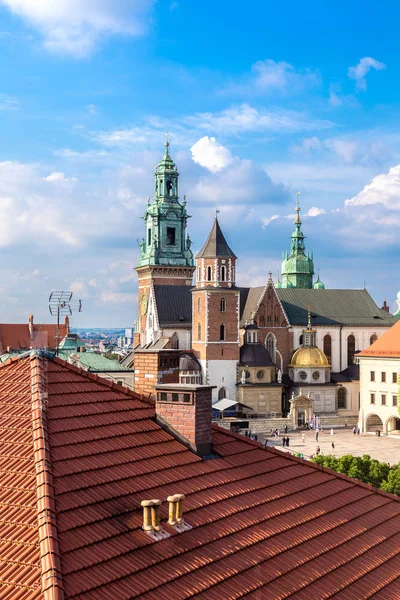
(51, 576)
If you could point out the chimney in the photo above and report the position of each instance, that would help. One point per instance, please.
(66, 323)
(185, 411)
(385, 306)
(30, 326)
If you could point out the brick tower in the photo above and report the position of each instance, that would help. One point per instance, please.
(215, 315)
(165, 252)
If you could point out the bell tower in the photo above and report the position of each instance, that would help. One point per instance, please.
(298, 265)
(215, 314)
(165, 255)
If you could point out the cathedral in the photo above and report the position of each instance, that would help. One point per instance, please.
(260, 345)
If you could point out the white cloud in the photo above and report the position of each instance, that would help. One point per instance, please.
(245, 118)
(117, 298)
(271, 76)
(8, 102)
(75, 27)
(268, 220)
(383, 190)
(207, 153)
(78, 287)
(315, 212)
(308, 144)
(360, 71)
(59, 176)
(92, 108)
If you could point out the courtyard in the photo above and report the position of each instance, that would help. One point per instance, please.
(383, 448)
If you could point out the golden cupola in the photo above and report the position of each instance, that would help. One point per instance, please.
(309, 364)
(309, 357)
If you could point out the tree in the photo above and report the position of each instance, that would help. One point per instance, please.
(392, 484)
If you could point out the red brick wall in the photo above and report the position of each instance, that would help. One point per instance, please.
(192, 421)
(160, 367)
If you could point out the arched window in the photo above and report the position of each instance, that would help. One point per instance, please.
(198, 304)
(222, 333)
(223, 273)
(199, 332)
(351, 349)
(221, 393)
(342, 397)
(223, 305)
(270, 344)
(199, 274)
(328, 346)
(208, 273)
(373, 338)
(301, 339)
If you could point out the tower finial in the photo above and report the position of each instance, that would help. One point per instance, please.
(217, 211)
(309, 316)
(297, 219)
(167, 142)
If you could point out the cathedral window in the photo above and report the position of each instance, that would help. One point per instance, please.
(199, 332)
(199, 274)
(198, 304)
(223, 305)
(351, 349)
(270, 344)
(170, 236)
(373, 339)
(223, 273)
(342, 398)
(209, 274)
(221, 393)
(222, 333)
(148, 237)
(328, 346)
(301, 340)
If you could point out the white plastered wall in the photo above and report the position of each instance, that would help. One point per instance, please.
(377, 387)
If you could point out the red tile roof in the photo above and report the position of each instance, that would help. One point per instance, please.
(18, 335)
(388, 345)
(264, 524)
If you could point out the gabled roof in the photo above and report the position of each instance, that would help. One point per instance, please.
(387, 345)
(216, 244)
(82, 453)
(333, 307)
(174, 305)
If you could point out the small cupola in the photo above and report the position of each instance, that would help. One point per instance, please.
(251, 333)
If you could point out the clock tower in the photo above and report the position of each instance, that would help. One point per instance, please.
(165, 255)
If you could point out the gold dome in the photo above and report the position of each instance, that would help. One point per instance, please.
(309, 357)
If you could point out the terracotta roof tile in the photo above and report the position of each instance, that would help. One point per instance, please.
(264, 524)
(387, 345)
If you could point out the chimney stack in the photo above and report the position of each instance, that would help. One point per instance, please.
(185, 411)
(30, 326)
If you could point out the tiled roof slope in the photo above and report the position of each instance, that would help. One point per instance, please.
(20, 574)
(264, 524)
(17, 336)
(387, 345)
(174, 305)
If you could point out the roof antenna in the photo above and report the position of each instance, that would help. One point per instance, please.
(60, 305)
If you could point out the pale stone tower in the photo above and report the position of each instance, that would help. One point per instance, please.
(215, 315)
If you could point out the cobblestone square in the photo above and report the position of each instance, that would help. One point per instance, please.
(383, 448)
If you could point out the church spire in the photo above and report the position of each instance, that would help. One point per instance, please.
(297, 267)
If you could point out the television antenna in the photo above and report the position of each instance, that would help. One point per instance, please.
(61, 305)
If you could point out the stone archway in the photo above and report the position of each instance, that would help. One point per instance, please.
(392, 425)
(373, 423)
(300, 409)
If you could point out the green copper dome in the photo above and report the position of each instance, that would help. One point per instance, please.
(318, 285)
(397, 313)
(297, 265)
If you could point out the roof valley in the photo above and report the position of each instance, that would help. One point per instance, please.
(51, 577)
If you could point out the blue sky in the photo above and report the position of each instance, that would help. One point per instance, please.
(260, 100)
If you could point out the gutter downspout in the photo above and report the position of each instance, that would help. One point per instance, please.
(340, 345)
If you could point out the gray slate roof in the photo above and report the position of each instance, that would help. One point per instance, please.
(333, 307)
(174, 305)
(216, 244)
(255, 355)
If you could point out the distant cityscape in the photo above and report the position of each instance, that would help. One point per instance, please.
(106, 340)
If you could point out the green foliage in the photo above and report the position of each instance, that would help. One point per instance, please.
(366, 469)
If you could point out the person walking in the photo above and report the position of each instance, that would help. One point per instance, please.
(285, 428)
(318, 450)
(333, 445)
(331, 430)
(283, 441)
(287, 442)
(316, 436)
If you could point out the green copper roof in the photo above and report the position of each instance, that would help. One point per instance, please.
(397, 313)
(90, 361)
(165, 241)
(297, 265)
(318, 285)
